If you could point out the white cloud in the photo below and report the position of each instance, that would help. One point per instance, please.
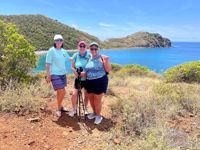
(185, 32)
(105, 24)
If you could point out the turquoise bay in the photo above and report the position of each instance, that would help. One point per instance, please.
(157, 59)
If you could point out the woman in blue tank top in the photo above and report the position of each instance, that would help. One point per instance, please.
(97, 80)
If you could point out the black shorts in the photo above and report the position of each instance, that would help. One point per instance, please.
(76, 83)
(97, 86)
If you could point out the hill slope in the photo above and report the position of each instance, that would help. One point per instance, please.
(39, 31)
(139, 39)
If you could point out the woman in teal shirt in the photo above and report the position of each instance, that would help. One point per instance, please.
(56, 60)
(79, 60)
(97, 81)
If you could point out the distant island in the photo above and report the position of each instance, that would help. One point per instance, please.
(139, 39)
(39, 30)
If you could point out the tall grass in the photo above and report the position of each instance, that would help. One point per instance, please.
(23, 99)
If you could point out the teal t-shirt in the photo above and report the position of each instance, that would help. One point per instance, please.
(81, 61)
(57, 58)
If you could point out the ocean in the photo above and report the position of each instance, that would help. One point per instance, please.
(156, 59)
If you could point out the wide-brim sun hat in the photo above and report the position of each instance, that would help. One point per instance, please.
(94, 43)
(58, 37)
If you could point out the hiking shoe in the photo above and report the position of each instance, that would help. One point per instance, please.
(91, 116)
(98, 119)
(58, 113)
(72, 113)
(64, 109)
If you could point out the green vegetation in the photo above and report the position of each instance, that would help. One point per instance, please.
(17, 56)
(138, 39)
(115, 67)
(152, 114)
(40, 30)
(132, 70)
(188, 72)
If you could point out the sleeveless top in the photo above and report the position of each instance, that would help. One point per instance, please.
(95, 68)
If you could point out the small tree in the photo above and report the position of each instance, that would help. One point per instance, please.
(17, 56)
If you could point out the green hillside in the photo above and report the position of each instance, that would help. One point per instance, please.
(39, 31)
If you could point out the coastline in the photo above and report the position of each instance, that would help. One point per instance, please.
(43, 52)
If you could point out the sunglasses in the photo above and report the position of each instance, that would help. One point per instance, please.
(82, 46)
(93, 49)
(58, 40)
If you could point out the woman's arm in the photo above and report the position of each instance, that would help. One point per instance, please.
(74, 68)
(48, 76)
(106, 63)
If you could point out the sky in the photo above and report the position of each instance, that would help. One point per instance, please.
(178, 20)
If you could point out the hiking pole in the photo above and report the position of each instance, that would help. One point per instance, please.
(80, 101)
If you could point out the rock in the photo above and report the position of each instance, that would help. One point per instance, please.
(65, 133)
(46, 147)
(36, 119)
(31, 143)
(70, 130)
(117, 141)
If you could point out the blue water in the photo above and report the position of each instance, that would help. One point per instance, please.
(157, 59)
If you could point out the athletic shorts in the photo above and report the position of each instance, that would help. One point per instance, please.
(97, 86)
(58, 81)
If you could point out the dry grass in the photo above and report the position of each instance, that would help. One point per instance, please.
(25, 98)
(149, 113)
(144, 106)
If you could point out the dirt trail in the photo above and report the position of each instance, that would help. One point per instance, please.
(50, 132)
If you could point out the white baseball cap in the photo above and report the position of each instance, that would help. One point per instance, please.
(57, 37)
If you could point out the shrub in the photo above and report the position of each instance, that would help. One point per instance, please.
(115, 67)
(136, 115)
(188, 72)
(17, 56)
(136, 70)
(178, 97)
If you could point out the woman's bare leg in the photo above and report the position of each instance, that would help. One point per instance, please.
(60, 96)
(91, 98)
(74, 99)
(85, 98)
(97, 103)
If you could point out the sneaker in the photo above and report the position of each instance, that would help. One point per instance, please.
(98, 119)
(86, 111)
(72, 113)
(64, 109)
(91, 116)
(58, 113)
